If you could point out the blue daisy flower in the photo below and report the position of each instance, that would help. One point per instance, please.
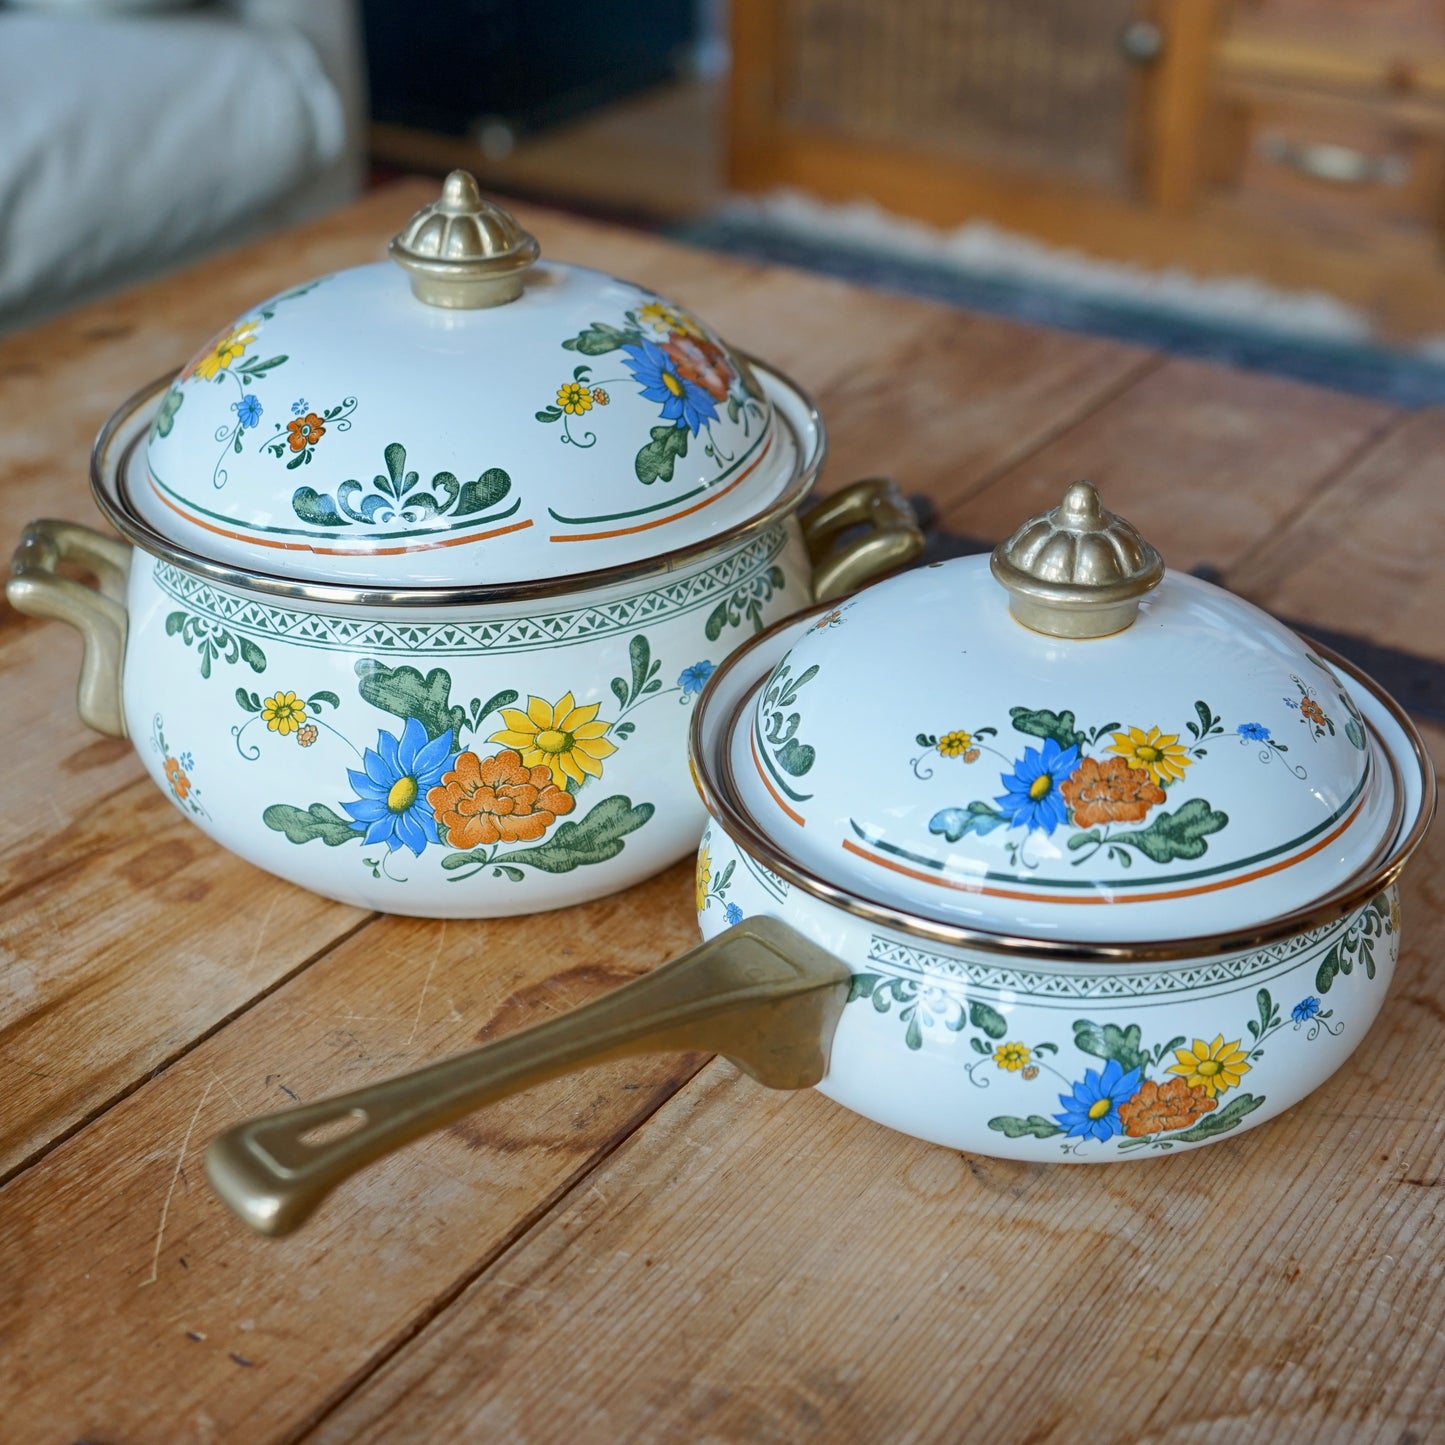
(1091, 1108)
(1253, 732)
(1305, 1009)
(683, 401)
(391, 793)
(1033, 799)
(733, 913)
(691, 679)
(248, 410)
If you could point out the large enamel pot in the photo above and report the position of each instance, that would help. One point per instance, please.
(990, 974)
(447, 698)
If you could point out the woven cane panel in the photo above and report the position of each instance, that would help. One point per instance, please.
(1040, 84)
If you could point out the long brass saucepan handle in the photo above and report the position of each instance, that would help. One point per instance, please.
(760, 994)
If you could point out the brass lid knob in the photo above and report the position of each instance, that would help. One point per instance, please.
(463, 251)
(1077, 570)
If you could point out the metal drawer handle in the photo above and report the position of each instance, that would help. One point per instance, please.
(1336, 165)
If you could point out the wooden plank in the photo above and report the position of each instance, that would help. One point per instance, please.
(1365, 556)
(123, 939)
(768, 1267)
(1204, 460)
(137, 1309)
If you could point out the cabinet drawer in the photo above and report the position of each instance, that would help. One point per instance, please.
(1328, 164)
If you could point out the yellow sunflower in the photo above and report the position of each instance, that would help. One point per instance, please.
(704, 877)
(1212, 1067)
(1159, 754)
(658, 316)
(224, 350)
(574, 398)
(1011, 1056)
(563, 737)
(283, 713)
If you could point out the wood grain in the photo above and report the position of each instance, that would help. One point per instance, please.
(761, 1267)
(1206, 461)
(627, 1254)
(138, 1309)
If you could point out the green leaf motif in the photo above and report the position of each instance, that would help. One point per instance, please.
(165, 417)
(301, 825)
(1221, 1121)
(1042, 723)
(955, 823)
(861, 985)
(795, 758)
(990, 1020)
(1109, 1041)
(594, 839)
(393, 496)
(1179, 834)
(403, 692)
(656, 459)
(600, 338)
(747, 601)
(1015, 1128)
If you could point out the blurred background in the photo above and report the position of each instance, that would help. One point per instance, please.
(1262, 181)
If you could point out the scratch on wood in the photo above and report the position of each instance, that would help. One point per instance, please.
(180, 1159)
(261, 932)
(426, 983)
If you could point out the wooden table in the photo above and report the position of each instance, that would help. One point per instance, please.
(662, 1250)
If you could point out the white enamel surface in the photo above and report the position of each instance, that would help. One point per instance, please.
(460, 392)
(224, 767)
(933, 1060)
(935, 651)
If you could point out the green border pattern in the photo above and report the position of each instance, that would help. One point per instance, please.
(902, 960)
(331, 633)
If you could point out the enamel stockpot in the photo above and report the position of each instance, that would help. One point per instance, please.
(1056, 857)
(426, 563)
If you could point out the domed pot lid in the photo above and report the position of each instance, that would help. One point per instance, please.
(1067, 742)
(462, 415)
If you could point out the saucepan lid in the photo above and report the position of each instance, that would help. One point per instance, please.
(1065, 742)
(462, 415)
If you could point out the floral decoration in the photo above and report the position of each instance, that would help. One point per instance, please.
(1161, 755)
(691, 679)
(672, 362)
(498, 812)
(1091, 1109)
(496, 799)
(178, 768)
(393, 784)
(284, 713)
(1212, 1067)
(1110, 792)
(566, 739)
(1158, 1108)
(1033, 798)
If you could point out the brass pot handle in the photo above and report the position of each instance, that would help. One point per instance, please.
(34, 587)
(893, 538)
(759, 993)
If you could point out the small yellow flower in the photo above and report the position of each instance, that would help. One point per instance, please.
(1212, 1067)
(704, 878)
(224, 350)
(563, 737)
(958, 744)
(1012, 1057)
(574, 398)
(283, 713)
(1159, 754)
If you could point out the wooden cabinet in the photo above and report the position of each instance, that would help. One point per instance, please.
(1300, 140)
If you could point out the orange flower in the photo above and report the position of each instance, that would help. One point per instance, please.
(307, 735)
(1110, 792)
(305, 431)
(1313, 711)
(702, 362)
(1169, 1106)
(496, 800)
(176, 777)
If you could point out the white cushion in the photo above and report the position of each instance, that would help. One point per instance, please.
(128, 143)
